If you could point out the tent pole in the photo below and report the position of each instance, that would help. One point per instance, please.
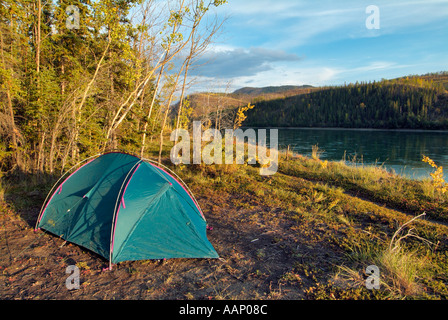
(116, 209)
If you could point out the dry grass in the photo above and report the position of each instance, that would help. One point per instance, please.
(401, 269)
(316, 152)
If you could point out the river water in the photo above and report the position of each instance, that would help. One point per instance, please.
(400, 150)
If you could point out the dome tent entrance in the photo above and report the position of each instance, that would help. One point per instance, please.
(125, 208)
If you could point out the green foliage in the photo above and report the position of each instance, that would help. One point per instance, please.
(67, 93)
(186, 114)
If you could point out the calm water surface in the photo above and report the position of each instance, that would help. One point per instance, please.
(400, 150)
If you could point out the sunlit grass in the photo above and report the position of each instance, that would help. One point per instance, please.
(375, 183)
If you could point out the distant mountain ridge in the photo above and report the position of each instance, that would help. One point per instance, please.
(254, 91)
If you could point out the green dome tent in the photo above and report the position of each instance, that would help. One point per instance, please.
(125, 209)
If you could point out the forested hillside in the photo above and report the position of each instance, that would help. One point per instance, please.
(417, 102)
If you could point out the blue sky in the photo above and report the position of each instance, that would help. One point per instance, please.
(297, 42)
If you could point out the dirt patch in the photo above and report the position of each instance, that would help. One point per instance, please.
(262, 255)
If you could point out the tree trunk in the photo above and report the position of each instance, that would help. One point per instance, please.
(148, 118)
(162, 130)
(62, 76)
(10, 112)
(40, 154)
(38, 34)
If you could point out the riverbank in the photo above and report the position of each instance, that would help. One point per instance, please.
(350, 129)
(396, 150)
(308, 232)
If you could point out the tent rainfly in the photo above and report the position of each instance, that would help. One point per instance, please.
(125, 208)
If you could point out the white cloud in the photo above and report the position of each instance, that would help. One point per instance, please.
(238, 62)
(306, 73)
(262, 7)
(277, 75)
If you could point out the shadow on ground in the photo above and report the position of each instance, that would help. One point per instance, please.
(25, 192)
